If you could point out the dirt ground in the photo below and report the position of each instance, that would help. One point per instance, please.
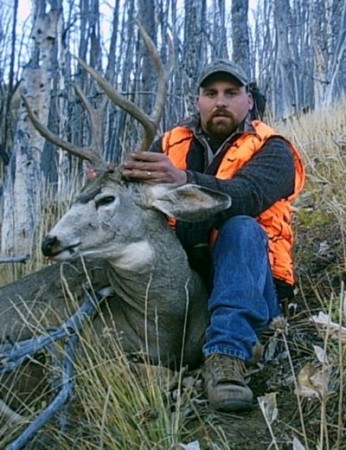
(249, 430)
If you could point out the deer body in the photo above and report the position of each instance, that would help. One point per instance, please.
(160, 307)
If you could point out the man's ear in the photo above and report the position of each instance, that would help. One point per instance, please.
(190, 203)
(250, 100)
(197, 102)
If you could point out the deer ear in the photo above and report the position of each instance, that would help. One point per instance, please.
(189, 202)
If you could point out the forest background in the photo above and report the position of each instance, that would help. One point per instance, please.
(293, 49)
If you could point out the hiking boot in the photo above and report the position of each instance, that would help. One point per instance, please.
(225, 383)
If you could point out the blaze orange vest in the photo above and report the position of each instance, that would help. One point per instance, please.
(276, 220)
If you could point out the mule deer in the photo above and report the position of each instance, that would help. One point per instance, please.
(159, 304)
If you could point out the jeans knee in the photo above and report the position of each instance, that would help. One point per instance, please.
(245, 226)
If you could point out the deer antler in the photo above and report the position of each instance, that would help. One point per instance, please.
(150, 123)
(93, 152)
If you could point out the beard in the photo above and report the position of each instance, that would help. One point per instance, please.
(221, 124)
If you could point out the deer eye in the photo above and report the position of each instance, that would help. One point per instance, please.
(105, 201)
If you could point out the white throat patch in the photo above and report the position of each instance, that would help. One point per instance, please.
(136, 257)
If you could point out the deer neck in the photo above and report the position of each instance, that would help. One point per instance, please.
(150, 262)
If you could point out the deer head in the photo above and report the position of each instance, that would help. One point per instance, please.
(118, 221)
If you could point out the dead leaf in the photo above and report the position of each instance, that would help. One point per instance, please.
(313, 382)
(334, 329)
(268, 406)
(321, 354)
(297, 445)
(191, 446)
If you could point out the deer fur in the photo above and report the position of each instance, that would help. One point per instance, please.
(159, 300)
(159, 306)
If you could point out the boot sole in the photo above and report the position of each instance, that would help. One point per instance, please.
(233, 406)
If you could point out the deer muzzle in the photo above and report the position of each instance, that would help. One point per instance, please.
(50, 246)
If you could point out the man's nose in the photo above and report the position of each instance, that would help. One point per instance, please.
(221, 100)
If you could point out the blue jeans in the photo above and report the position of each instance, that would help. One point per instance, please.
(243, 298)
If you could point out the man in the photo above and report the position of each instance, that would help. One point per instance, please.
(222, 149)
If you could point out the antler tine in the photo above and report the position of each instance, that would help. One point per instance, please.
(122, 102)
(149, 123)
(95, 118)
(89, 153)
(163, 74)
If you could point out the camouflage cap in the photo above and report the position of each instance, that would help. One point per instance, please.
(223, 66)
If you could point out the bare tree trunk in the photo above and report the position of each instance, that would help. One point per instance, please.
(219, 37)
(61, 107)
(301, 56)
(164, 33)
(338, 25)
(194, 51)
(127, 51)
(146, 10)
(240, 34)
(7, 130)
(328, 31)
(284, 73)
(265, 61)
(24, 176)
(112, 72)
(175, 108)
(56, 119)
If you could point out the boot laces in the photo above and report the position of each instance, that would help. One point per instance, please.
(227, 369)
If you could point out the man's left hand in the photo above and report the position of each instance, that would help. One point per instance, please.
(152, 168)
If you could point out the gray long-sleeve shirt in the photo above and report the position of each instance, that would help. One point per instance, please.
(266, 178)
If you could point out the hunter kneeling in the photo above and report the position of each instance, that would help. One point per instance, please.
(250, 265)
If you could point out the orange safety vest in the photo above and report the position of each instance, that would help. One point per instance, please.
(276, 220)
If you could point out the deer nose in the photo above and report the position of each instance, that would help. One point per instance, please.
(48, 244)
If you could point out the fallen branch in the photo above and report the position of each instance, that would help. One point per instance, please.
(11, 358)
(14, 259)
(59, 401)
(13, 355)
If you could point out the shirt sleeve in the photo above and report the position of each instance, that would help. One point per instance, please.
(262, 181)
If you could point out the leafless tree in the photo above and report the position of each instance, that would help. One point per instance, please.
(240, 34)
(24, 176)
(284, 71)
(328, 33)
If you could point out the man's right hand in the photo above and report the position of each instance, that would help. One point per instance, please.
(153, 167)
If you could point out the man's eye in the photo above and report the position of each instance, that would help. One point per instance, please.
(105, 201)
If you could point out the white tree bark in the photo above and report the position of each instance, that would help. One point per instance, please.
(24, 182)
(284, 69)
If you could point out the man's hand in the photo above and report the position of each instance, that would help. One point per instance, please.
(152, 168)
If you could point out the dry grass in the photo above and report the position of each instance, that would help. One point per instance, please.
(114, 408)
(320, 223)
